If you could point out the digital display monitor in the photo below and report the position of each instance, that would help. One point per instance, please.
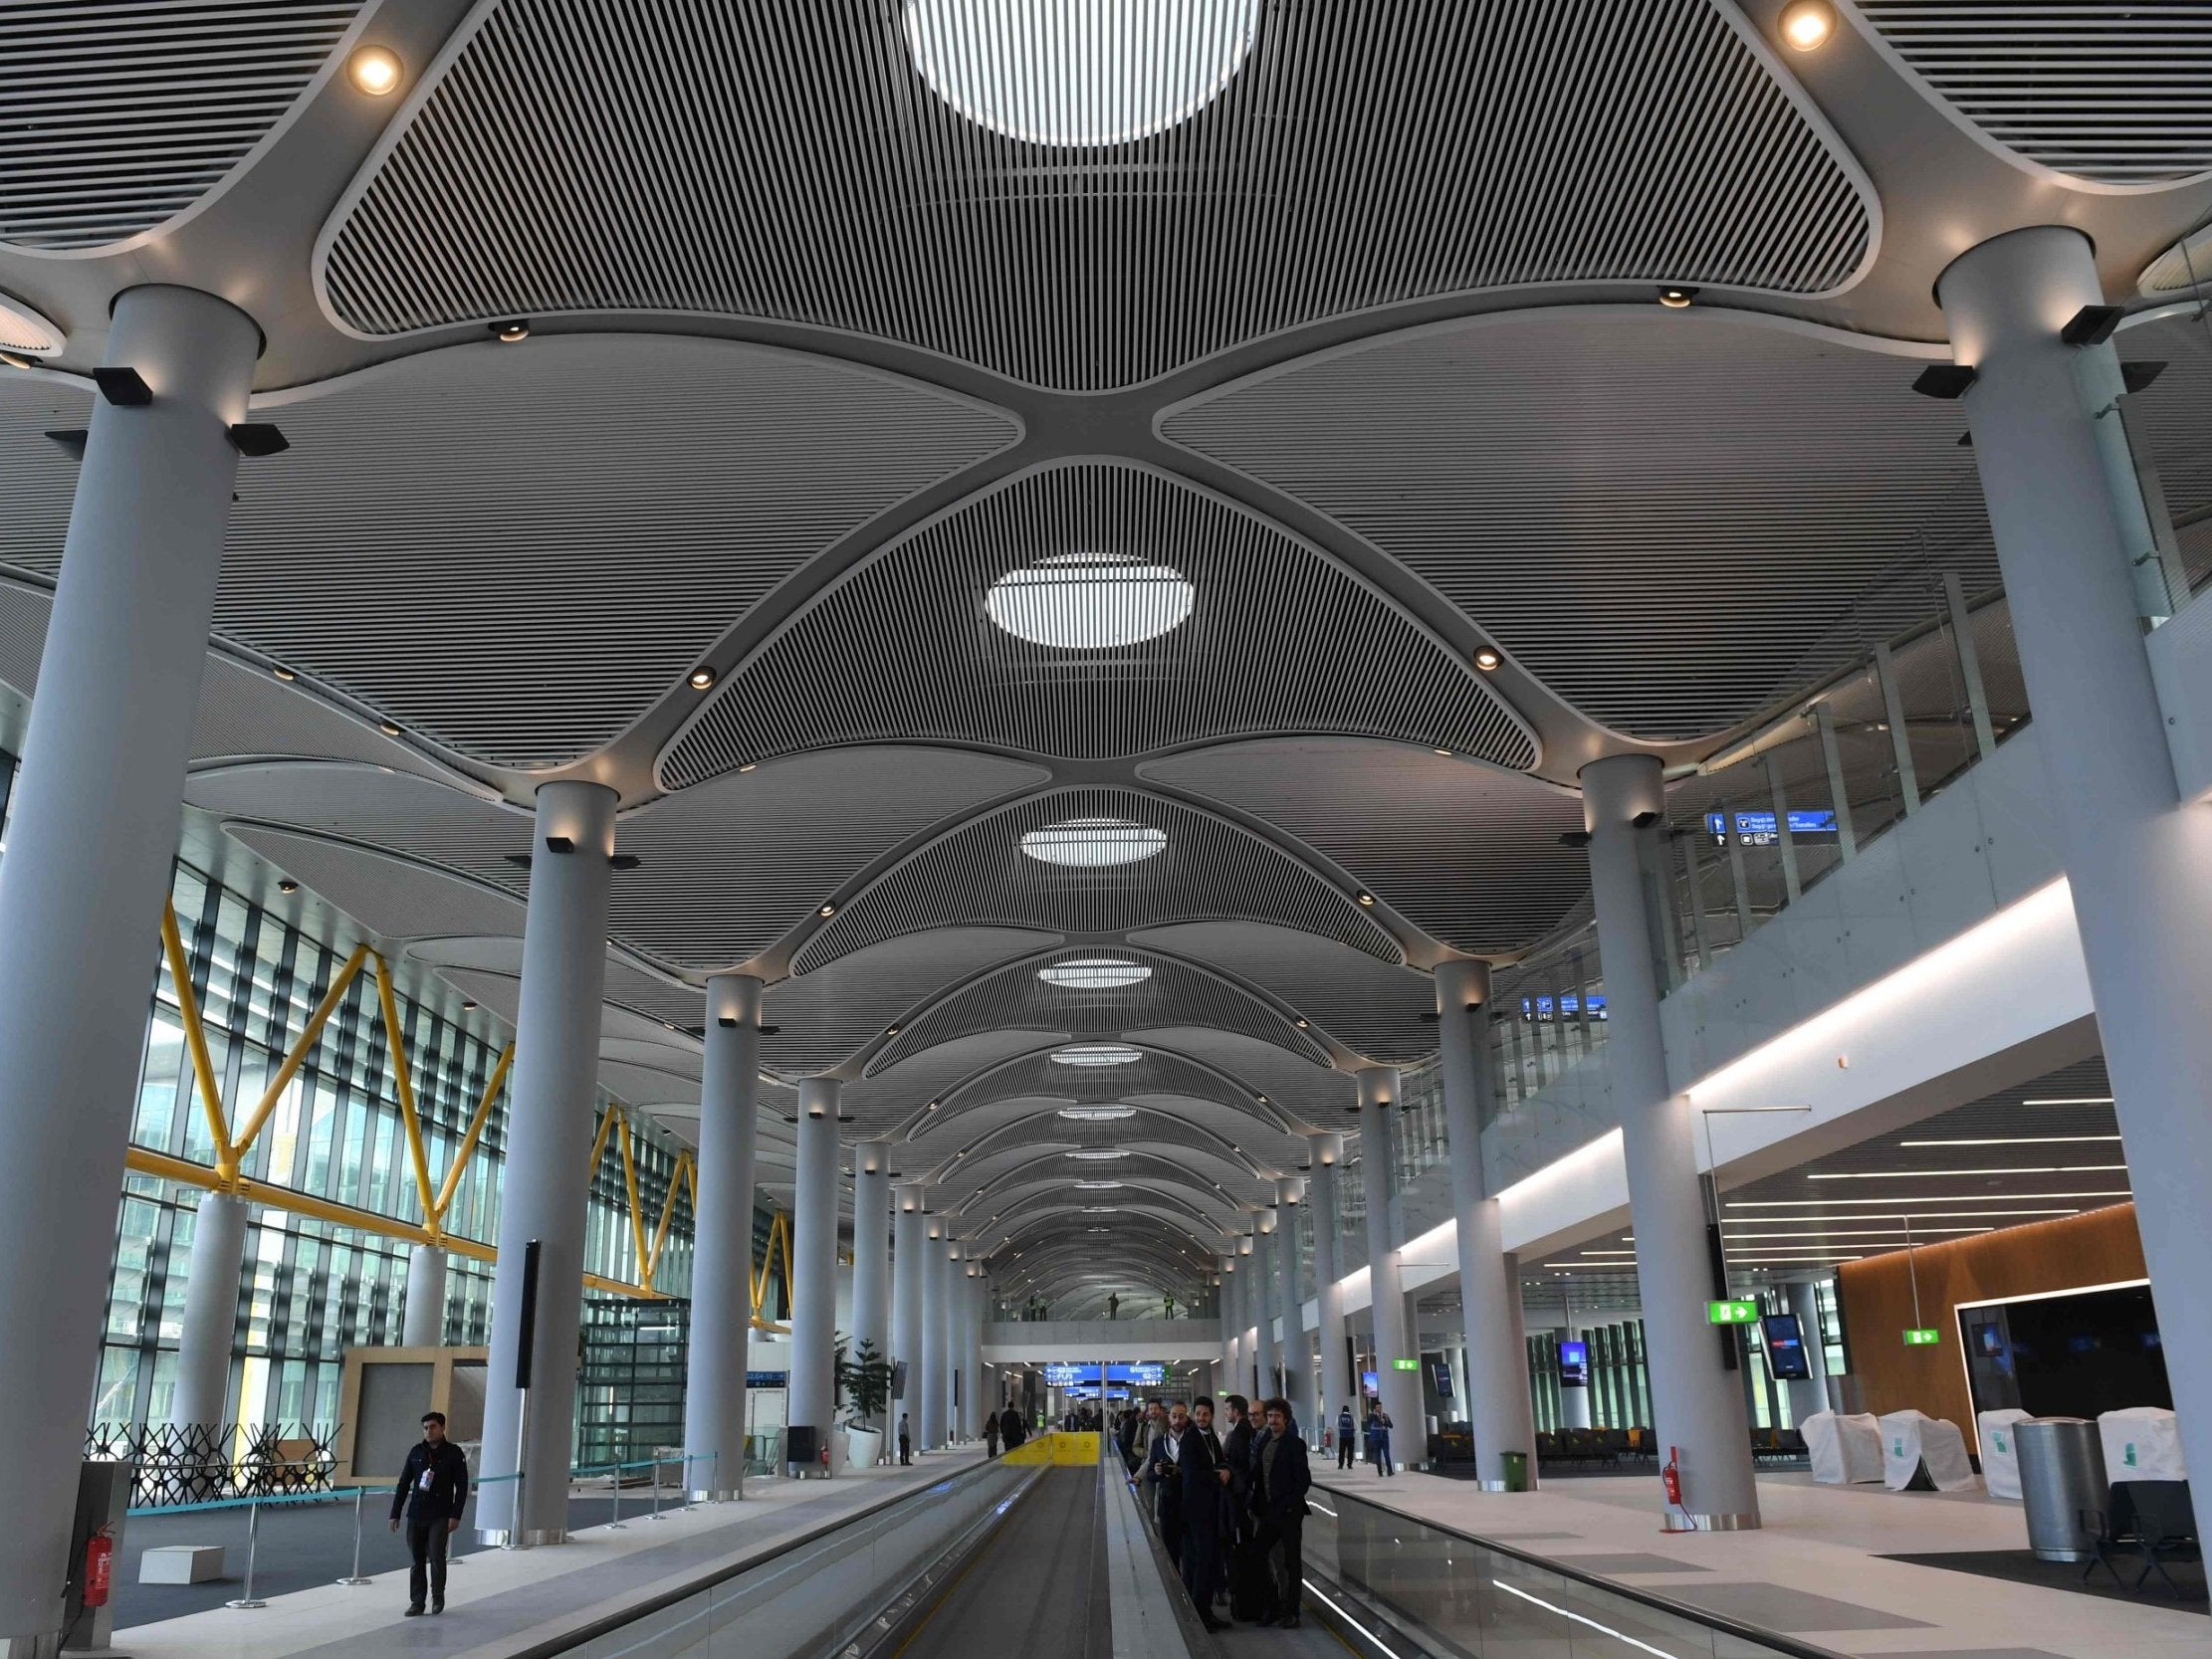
(1757, 829)
(1543, 1010)
(1149, 1376)
(1574, 1364)
(1372, 1381)
(1785, 1344)
(767, 1379)
(1439, 1378)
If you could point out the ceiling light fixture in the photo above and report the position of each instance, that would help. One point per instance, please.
(1488, 660)
(1094, 973)
(1368, 899)
(1807, 24)
(283, 673)
(1097, 1054)
(827, 910)
(701, 679)
(376, 69)
(1090, 602)
(1947, 1174)
(288, 884)
(750, 766)
(387, 728)
(2077, 1099)
(468, 1007)
(1097, 1154)
(1096, 1113)
(2016, 1141)
(1676, 298)
(1093, 843)
(513, 331)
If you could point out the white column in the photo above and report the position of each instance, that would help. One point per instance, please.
(1809, 1396)
(545, 1184)
(971, 1348)
(1226, 1300)
(422, 1322)
(1298, 1363)
(202, 1398)
(871, 1249)
(1401, 1389)
(722, 1249)
(1697, 1401)
(936, 1339)
(1264, 1301)
(2137, 862)
(813, 1387)
(1501, 1413)
(1335, 1373)
(910, 1242)
(90, 850)
(1248, 1319)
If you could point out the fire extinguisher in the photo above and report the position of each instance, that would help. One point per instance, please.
(1671, 1476)
(100, 1563)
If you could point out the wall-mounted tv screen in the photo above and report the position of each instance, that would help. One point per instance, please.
(1574, 1364)
(1785, 1344)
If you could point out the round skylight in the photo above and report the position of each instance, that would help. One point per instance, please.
(1079, 72)
(1097, 1154)
(1092, 843)
(1090, 602)
(1098, 1113)
(1095, 974)
(1097, 1054)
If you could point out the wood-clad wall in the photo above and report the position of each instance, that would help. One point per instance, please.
(2099, 1247)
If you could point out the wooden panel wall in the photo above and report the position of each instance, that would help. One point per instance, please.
(2099, 1247)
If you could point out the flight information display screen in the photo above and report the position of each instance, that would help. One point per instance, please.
(1146, 1375)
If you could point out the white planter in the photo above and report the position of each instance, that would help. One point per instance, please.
(863, 1447)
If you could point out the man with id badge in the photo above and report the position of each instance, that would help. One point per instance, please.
(433, 1487)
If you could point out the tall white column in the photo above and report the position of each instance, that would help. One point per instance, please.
(971, 1348)
(202, 1398)
(1401, 1389)
(1248, 1319)
(545, 1186)
(1297, 1365)
(813, 1383)
(956, 1403)
(1335, 1373)
(722, 1250)
(1501, 1415)
(1225, 1299)
(2135, 860)
(872, 1248)
(1697, 1401)
(422, 1322)
(936, 1339)
(1263, 1301)
(1809, 1396)
(910, 1253)
(90, 850)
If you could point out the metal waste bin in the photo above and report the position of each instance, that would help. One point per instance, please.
(2062, 1473)
(1515, 1466)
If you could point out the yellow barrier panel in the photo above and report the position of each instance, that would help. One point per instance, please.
(1074, 1450)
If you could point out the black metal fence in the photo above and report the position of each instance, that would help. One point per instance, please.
(196, 1463)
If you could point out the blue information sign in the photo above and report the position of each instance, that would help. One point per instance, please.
(1757, 829)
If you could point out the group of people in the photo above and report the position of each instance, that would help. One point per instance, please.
(1230, 1503)
(1375, 1435)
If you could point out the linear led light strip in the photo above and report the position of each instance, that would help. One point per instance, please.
(2016, 1140)
(1380, 1646)
(1906, 1210)
(2077, 1099)
(1602, 1629)
(1944, 1175)
(1916, 1199)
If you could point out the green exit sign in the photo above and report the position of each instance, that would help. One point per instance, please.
(1731, 1312)
(1926, 1337)
(1405, 1364)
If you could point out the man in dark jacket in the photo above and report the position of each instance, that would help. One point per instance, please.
(1346, 1431)
(1236, 1452)
(1164, 1471)
(1280, 1481)
(1011, 1429)
(432, 1488)
(1204, 1496)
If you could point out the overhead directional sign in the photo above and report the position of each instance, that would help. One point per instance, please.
(1405, 1364)
(1731, 1312)
(1923, 1337)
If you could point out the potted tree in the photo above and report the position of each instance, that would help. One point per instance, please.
(864, 1382)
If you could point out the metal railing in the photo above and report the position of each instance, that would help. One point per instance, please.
(187, 1463)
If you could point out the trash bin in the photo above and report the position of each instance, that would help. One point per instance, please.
(2062, 1473)
(1515, 1465)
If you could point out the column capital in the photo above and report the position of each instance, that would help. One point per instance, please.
(1264, 1221)
(1620, 789)
(734, 998)
(871, 1158)
(2022, 286)
(1378, 1087)
(818, 1097)
(1461, 984)
(1327, 1150)
(913, 1197)
(1290, 1189)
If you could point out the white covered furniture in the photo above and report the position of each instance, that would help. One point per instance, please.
(1912, 1440)
(2000, 1451)
(1845, 1449)
(2141, 1443)
(181, 1563)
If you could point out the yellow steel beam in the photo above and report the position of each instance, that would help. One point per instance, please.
(300, 1049)
(668, 1212)
(404, 1084)
(467, 1150)
(629, 1188)
(195, 1040)
(599, 1144)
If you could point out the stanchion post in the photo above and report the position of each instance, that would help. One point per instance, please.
(360, 1493)
(656, 1515)
(252, 1541)
(615, 1486)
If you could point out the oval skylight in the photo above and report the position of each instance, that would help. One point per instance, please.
(1098, 1113)
(1079, 73)
(1097, 1054)
(1097, 1154)
(1093, 844)
(1090, 602)
(1097, 1186)
(1095, 974)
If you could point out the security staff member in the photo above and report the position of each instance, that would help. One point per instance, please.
(433, 1487)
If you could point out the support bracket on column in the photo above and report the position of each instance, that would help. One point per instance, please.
(123, 386)
(254, 439)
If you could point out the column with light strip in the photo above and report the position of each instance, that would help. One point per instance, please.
(722, 1242)
(936, 1338)
(871, 1256)
(813, 1394)
(1385, 1284)
(1298, 1363)
(1335, 1370)
(1267, 1350)
(910, 1252)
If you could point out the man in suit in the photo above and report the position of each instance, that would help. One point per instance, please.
(1206, 1480)
(1164, 1471)
(1236, 1452)
(1280, 1481)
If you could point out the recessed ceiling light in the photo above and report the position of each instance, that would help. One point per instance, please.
(376, 69)
(827, 910)
(933, 1105)
(1488, 660)
(1447, 754)
(1078, 602)
(1094, 973)
(288, 884)
(1093, 843)
(387, 728)
(750, 765)
(283, 673)
(700, 678)
(468, 1007)
(1807, 24)
(1098, 1113)
(513, 331)
(1676, 298)
(1367, 899)
(1097, 1054)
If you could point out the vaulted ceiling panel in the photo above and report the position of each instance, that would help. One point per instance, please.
(1373, 1009)
(790, 161)
(393, 898)
(1091, 611)
(1670, 526)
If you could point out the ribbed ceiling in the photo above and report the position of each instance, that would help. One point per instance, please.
(825, 1017)
(1467, 853)
(2111, 91)
(979, 875)
(916, 645)
(1371, 1008)
(786, 162)
(119, 114)
(1667, 525)
(1152, 1073)
(393, 898)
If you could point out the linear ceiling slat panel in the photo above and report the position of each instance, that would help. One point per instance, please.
(1467, 853)
(1373, 1008)
(1205, 867)
(116, 116)
(1670, 526)
(2118, 95)
(787, 162)
(980, 628)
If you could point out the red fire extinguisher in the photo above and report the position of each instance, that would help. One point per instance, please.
(100, 1565)
(1671, 1476)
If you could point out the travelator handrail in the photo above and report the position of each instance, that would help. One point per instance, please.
(568, 1641)
(1719, 1623)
